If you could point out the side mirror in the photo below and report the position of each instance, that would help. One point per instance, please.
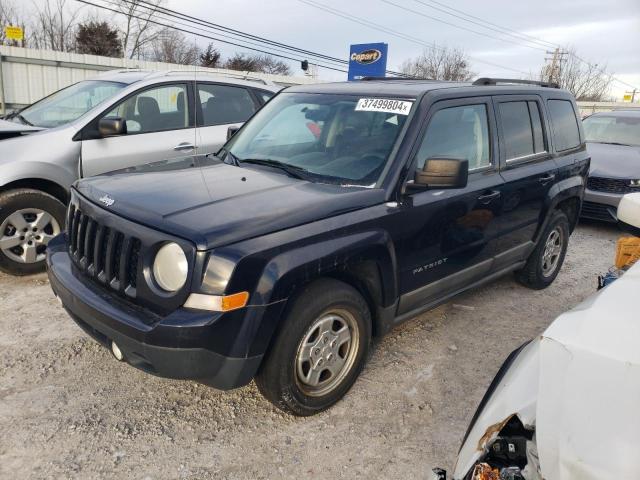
(110, 127)
(629, 213)
(231, 131)
(440, 173)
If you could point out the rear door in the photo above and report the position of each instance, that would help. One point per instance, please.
(445, 239)
(160, 126)
(220, 106)
(529, 172)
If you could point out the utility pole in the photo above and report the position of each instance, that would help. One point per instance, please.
(553, 71)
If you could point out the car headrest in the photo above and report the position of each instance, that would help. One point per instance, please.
(148, 106)
(180, 102)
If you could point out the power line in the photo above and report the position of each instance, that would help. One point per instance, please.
(416, 12)
(207, 36)
(176, 22)
(484, 23)
(378, 27)
(513, 33)
(213, 26)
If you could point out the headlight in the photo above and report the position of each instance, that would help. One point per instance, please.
(170, 267)
(635, 183)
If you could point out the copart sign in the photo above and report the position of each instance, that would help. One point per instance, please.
(367, 60)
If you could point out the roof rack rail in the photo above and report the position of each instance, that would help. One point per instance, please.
(372, 79)
(495, 81)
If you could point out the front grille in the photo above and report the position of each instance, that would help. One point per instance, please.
(102, 253)
(599, 211)
(611, 185)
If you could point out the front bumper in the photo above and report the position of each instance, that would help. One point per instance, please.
(175, 346)
(600, 205)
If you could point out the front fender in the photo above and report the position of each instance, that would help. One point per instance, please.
(288, 270)
(21, 170)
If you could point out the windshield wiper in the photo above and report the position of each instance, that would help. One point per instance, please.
(24, 120)
(291, 170)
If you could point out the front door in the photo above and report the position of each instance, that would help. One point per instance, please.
(160, 126)
(448, 236)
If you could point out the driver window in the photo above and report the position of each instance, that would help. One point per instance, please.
(154, 110)
(458, 132)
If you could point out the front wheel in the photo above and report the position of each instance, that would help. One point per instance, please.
(544, 263)
(319, 351)
(28, 220)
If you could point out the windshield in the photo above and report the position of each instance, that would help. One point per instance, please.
(68, 104)
(612, 129)
(339, 139)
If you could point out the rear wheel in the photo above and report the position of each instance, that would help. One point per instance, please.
(29, 219)
(545, 261)
(320, 350)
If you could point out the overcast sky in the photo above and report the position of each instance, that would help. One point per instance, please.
(602, 31)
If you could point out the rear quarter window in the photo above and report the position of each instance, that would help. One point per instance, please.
(564, 122)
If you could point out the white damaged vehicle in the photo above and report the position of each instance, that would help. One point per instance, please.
(566, 406)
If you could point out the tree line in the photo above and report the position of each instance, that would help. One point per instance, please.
(54, 25)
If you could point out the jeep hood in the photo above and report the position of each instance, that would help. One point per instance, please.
(614, 161)
(220, 204)
(578, 385)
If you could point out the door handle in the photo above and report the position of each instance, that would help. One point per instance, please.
(488, 197)
(184, 146)
(547, 178)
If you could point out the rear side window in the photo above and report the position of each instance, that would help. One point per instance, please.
(565, 124)
(521, 129)
(223, 104)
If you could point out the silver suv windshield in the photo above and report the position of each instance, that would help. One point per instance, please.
(68, 104)
(339, 139)
(614, 129)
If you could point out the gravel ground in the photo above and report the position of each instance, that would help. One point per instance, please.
(69, 410)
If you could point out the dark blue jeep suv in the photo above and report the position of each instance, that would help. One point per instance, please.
(338, 211)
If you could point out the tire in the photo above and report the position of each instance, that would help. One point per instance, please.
(544, 263)
(287, 378)
(22, 249)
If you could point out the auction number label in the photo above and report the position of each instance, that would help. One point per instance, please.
(386, 105)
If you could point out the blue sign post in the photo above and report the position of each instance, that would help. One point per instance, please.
(367, 60)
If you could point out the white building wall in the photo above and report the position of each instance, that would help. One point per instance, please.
(29, 74)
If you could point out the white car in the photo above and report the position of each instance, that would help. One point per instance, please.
(566, 406)
(117, 120)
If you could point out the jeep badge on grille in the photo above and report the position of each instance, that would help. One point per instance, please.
(107, 200)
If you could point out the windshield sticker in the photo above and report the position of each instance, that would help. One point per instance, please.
(386, 105)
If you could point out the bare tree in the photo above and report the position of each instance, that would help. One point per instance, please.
(269, 64)
(54, 26)
(10, 15)
(587, 81)
(439, 63)
(257, 63)
(139, 30)
(171, 46)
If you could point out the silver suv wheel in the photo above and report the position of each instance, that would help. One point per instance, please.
(552, 251)
(327, 352)
(25, 233)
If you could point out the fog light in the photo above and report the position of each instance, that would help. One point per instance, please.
(117, 352)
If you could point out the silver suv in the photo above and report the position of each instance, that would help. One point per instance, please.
(116, 120)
